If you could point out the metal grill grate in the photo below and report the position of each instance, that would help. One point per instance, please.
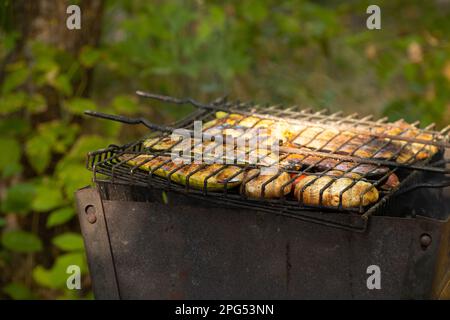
(123, 164)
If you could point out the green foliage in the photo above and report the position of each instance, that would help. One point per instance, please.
(9, 161)
(60, 216)
(15, 78)
(125, 104)
(79, 105)
(21, 241)
(56, 277)
(18, 291)
(51, 137)
(45, 140)
(18, 198)
(89, 56)
(48, 196)
(68, 241)
(11, 102)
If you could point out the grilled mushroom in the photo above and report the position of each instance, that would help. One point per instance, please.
(354, 193)
(254, 181)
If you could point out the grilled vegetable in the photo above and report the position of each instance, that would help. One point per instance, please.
(160, 143)
(237, 125)
(308, 191)
(254, 180)
(341, 141)
(163, 166)
(391, 182)
(206, 148)
(365, 146)
(298, 161)
(223, 120)
(331, 140)
(249, 122)
(338, 173)
(350, 143)
(419, 150)
(407, 151)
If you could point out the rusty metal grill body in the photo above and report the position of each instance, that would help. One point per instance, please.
(148, 237)
(142, 247)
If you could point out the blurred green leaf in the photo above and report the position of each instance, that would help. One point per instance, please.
(12, 169)
(18, 291)
(12, 126)
(38, 151)
(60, 216)
(60, 133)
(11, 157)
(18, 198)
(48, 196)
(10, 38)
(2, 222)
(79, 105)
(12, 102)
(43, 277)
(71, 171)
(89, 56)
(125, 105)
(43, 50)
(73, 177)
(51, 136)
(69, 241)
(165, 198)
(15, 79)
(56, 277)
(45, 64)
(21, 241)
(62, 83)
(45, 70)
(36, 103)
(110, 128)
(214, 21)
(254, 10)
(85, 144)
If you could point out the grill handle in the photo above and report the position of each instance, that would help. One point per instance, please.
(127, 120)
(182, 101)
(435, 185)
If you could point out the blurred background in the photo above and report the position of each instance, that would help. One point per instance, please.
(310, 53)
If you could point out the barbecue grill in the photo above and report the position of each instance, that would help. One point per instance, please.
(149, 237)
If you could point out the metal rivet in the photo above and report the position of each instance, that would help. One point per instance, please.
(425, 240)
(90, 213)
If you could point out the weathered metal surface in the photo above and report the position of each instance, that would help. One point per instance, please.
(441, 285)
(192, 250)
(96, 241)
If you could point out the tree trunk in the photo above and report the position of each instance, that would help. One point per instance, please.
(45, 20)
